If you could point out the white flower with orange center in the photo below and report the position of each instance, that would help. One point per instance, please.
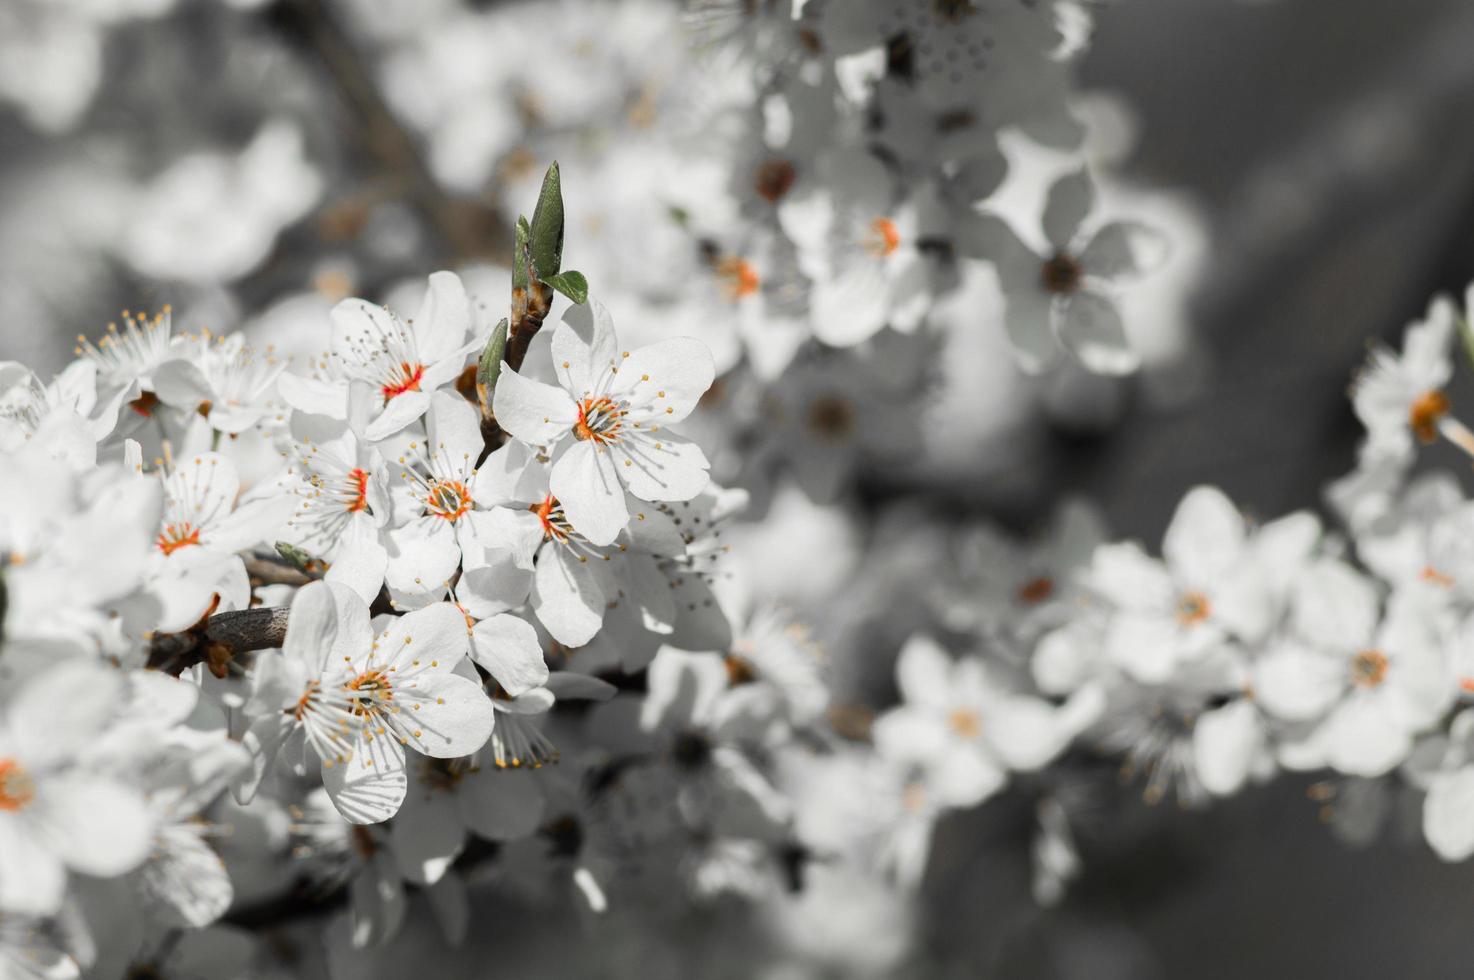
(858, 243)
(1400, 398)
(965, 730)
(56, 812)
(204, 526)
(225, 381)
(403, 360)
(1367, 685)
(570, 582)
(436, 500)
(359, 700)
(605, 426)
(127, 358)
(1214, 585)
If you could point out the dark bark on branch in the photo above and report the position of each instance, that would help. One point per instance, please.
(218, 639)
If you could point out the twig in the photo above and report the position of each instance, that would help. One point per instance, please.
(217, 639)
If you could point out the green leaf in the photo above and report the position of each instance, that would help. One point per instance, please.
(520, 253)
(571, 284)
(547, 227)
(489, 368)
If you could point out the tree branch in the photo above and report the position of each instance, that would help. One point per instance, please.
(216, 639)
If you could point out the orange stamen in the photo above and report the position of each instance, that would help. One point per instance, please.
(408, 379)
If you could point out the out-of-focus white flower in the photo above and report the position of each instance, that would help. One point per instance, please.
(1370, 686)
(1064, 298)
(859, 246)
(65, 417)
(213, 217)
(1399, 398)
(966, 731)
(222, 379)
(1210, 588)
(56, 813)
(1448, 809)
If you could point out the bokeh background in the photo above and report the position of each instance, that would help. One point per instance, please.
(252, 161)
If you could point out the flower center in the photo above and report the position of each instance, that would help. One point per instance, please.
(304, 703)
(16, 787)
(882, 239)
(1193, 608)
(448, 499)
(555, 525)
(1425, 413)
(1440, 579)
(1369, 668)
(738, 278)
(369, 689)
(740, 670)
(176, 536)
(832, 417)
(600, 420)
(1036, 590)
(965, 722)
(773, 179)
(144, 404)
(1061, 274)
(358, 484)
(405, 377)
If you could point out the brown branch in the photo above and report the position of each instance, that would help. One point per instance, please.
(216, 640)
(264, 571)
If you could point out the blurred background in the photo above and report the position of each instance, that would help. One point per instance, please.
(253, 161)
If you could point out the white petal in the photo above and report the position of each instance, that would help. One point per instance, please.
(423, 555)
(584, 347)
(32, 877)
(507, 648)
(445, 716)
(567, 596)
(444, 319)
(427, 834)
(1089, 325)
(536, 413)
(1070, 200)
(1297, 684)
(585, 481)
(664, 467)
(502, 804)
(403, 408)
(436, 636)
(1448, 814)
(371, 785)
(681, 367)
(1362, 738)
(682, 688)
(1226, 742)
(1205, 538)
(924, 673)
(185, 881)
(99, 827)
(1124, 248)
